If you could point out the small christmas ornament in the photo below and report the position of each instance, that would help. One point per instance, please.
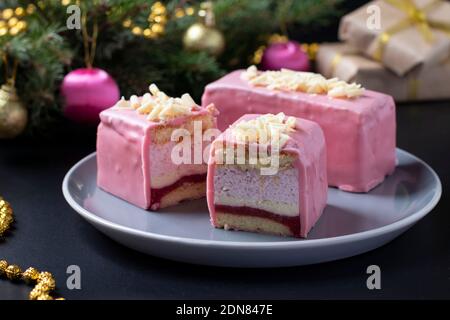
(288, 55)
(88, 91)
(13, 114)
(203, 36)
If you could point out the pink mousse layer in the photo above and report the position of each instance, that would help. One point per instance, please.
(360, 133)
(307, 145)
(234, 186)
(126, 161)
(164, 171)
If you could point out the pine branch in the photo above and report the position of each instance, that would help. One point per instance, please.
(47, 50)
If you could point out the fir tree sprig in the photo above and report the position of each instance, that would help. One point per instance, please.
(47, 50)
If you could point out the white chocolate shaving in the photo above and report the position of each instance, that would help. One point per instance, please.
(157, 106)
(134, 101)
(265, 129)
(308, 82)
(122, 103)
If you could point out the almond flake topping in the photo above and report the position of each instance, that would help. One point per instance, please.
(268, 128)
(158, 106)
(308, 82)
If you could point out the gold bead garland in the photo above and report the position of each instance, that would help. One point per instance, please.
(13, 272)
(44, 281)
(30, 275)
(6, 217)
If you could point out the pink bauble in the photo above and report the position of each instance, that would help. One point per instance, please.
(87, 92)
(286, 55)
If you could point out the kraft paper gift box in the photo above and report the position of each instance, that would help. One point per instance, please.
(424, 82)
(401, 34)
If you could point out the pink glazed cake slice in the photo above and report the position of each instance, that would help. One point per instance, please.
(134, 146)
(287, 200)
(359, 125)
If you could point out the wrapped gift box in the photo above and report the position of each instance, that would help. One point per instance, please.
(424, 82)
(402, 34)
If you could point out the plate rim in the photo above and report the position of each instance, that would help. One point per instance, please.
(353, 237)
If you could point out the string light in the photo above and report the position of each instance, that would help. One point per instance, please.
(137, 30)
(157, 20)
(7, 13)
(179, 13)
(30, 9)
(190, 11)
(11, 22)
(19, 11)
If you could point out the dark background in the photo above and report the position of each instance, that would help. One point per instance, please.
(49, 235)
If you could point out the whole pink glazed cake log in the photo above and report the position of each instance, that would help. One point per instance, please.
(287, 202)
(134, 148)
(360, 131)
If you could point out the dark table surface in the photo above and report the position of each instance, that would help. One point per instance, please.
(49, 235)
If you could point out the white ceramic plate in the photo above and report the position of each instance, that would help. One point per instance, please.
(351, 224)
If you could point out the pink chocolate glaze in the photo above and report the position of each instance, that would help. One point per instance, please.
(307, 144)
(123, 149)
(360, 133)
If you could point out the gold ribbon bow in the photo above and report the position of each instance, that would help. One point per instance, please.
(414, 17)
(413, 83)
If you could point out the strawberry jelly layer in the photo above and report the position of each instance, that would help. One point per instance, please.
(158, 194)
(293, 223)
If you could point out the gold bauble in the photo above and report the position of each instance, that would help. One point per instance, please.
(13, 114)
(200, 37)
